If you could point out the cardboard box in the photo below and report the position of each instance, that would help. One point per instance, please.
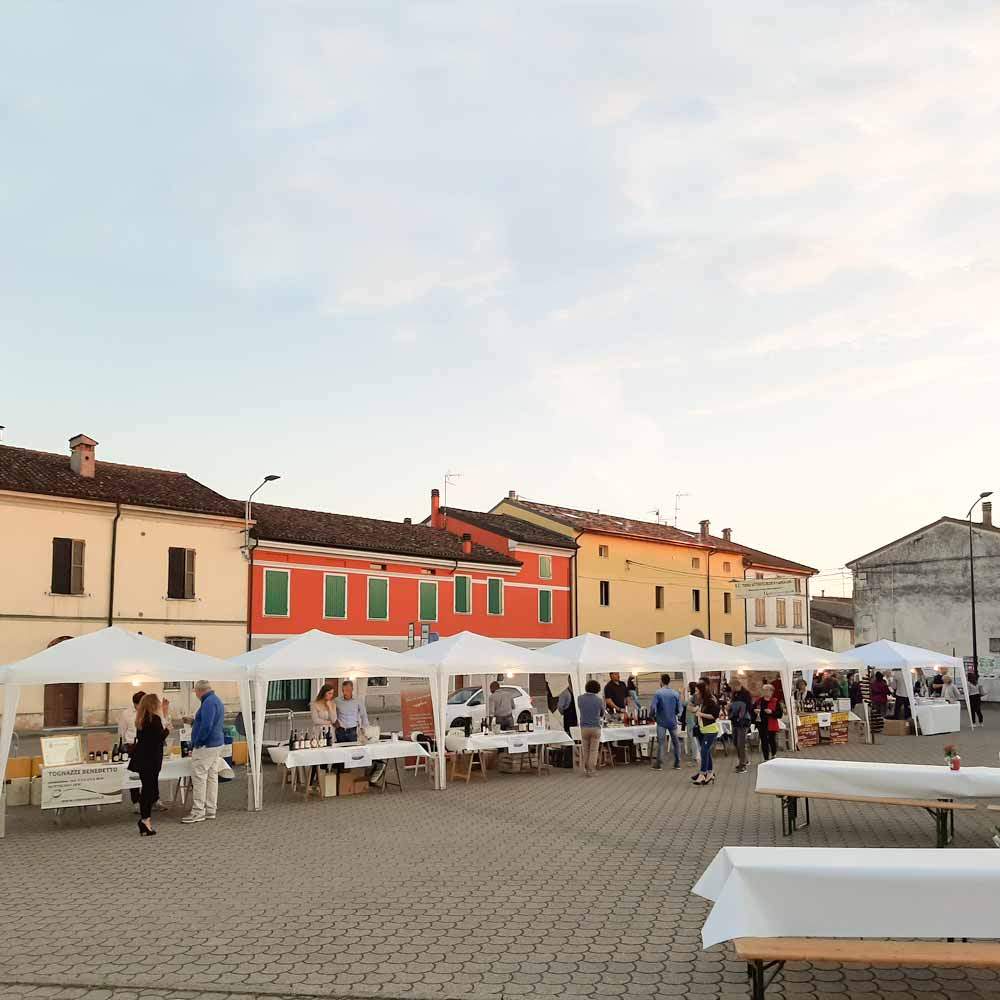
(19, 767)
(898, 727)
(36, 767)
(327, 785)
(353, 781)
(240, 752)
(18, 791)
(36, 791)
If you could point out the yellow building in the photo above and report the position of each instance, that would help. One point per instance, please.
(86, 544)
(645, 583)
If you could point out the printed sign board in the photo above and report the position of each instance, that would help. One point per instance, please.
(58, 751)
(777, 586)
(838, 727)
(81, 785)
(808, 730)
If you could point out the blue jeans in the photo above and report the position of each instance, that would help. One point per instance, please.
(346, 735)
(675, 740)
(707, 742)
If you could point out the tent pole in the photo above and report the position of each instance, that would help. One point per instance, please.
(11, 695)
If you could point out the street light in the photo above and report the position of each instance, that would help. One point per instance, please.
(972, 581)
(248, 553)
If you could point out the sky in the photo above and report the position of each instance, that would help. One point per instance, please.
(601, 253)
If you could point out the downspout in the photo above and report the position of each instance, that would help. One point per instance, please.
(746, 613)
(250, 549)
(708, 588)
(809, 617)
(576, 589)
(111, 602)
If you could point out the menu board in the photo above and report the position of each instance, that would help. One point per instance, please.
(81, 785)
(838, 727)
(808, 729)
(417, 710)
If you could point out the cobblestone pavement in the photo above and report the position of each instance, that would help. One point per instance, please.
(552, 886)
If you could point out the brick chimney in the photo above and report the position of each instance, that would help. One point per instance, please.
(436, 508)
(407, 520)
(987, 514)
(704, 528)
(727, 534)
(81, 455)
(467, 544)
(511, 494)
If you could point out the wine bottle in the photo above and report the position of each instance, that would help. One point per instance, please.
(329, 736)
(115, 754)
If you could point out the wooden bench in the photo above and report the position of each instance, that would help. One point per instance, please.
(943, 810)
(765, 957)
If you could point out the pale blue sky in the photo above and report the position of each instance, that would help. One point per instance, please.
(595, 252)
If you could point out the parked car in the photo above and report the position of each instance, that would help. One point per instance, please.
(467, 703)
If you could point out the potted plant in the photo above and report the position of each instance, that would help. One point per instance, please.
(952, 757)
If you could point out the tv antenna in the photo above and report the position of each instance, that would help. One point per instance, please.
(677, 505)
(449, 479)
(657, 513)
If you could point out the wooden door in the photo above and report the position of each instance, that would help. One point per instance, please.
(62, 705)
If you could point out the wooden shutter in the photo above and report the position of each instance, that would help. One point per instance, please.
(76, 568)
(378, 598)
(545, 607)
(335, 597)
(62, 560)
(545, 567)
(175, 573)
(428, 601)
(275, 593)
(495, 596)
(189, 573)
(463, 593)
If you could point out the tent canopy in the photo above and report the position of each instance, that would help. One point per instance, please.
(115, 656)
(897, 656)
(321, 654)
(801, 657)
(593, 654)
(469, 653)
(694, 655)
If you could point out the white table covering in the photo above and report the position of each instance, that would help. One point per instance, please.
(622, 734)
(991, 688)
(350, 754)
(878, 780)
(509, 741)
(938, 717)
(850, 892)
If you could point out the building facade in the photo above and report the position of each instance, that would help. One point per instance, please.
(832, 622)
(97, 543)
(917, 589)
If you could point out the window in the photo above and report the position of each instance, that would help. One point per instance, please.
(798, 585)
(545, 607)
(276, 592)
(494, 596)
(180, 574)
(995, 645)
(604, 589)
(658, 600)
(289, 694)
(182, 642)
(378, 599)
(602, 551)
(797, 614)
(660, 637)
(696, 600)
(727, 603)
(727, 567)
(605, 635)
(545, 567)
(334, 596)
(463, 595)
(67, 566)
(759, 576)
(695, 562)
(727, 638)
(782, 617)
(759, 612)
(428, 601)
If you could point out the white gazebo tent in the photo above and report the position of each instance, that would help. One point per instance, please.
(469, 653)
(306, 656)
(113, 655)
(696, 656)
(886, 655)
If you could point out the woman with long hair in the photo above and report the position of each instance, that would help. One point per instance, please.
(707, 714)
(323, 711)
(691, 722)
(147, 758)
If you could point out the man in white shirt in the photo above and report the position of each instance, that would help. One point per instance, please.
(502, 705)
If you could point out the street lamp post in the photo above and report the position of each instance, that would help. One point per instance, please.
(248, 551)
(972, 581)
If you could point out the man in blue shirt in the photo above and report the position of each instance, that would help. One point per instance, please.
(206, 750)
(666, 706)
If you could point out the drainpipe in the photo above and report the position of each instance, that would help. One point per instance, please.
(809, 617)
(111, 602)
(708, 588)
(575, 630)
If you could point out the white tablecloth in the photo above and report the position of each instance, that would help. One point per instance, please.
(509, 741)
(938, 717)
(173, 768)
(623, 734)
(803, 776)
(349, 754)
(850, 892)
(991, 688)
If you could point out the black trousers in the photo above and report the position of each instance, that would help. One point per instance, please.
(976, 704)
(768, 743)
(149, 793)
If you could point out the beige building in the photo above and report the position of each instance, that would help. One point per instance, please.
(89, 543)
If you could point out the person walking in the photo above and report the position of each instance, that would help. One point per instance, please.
(206, 749)
(975, 696)
(768, 711)
(691, 723)
(592, 714)
(707, 713)
(147, 758)
(566, 705)
(665, 708)
(740, 714)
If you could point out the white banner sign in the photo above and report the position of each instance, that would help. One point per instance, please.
(777, 586)
(82, 785)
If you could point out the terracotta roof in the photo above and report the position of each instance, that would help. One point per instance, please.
(367, 534)
(45, 473)
(613, 524)
(511, 527)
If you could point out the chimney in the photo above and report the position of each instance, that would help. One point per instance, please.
(435, 508)
(81, 458)
(467, 544)
(511, 494)
(727, 534)
(407, 520)
(987, 514)
(704, 528)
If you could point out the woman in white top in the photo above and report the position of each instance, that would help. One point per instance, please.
(324, 711)
(949, 692)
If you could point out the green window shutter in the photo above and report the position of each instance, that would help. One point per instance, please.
(494, 597)
(275, 592)
(378, 599)
(545, 567)
(335, 597)
(428, 601)
(545, 607)
(463, 595)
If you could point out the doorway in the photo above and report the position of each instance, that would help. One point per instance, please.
(62, 705)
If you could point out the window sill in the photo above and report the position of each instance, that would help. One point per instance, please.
(189, 600)
(52, 593)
